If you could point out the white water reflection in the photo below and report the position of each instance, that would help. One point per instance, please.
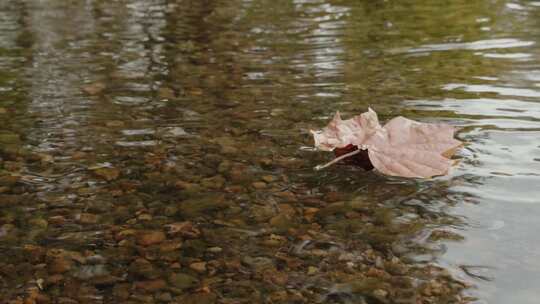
(503, 43)
(512, 56)
(487, 107)
(486, 88)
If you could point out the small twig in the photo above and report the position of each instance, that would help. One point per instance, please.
(337, 159)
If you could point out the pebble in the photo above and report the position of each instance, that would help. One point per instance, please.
(94, 88)
(87, 272)
(151, 285)
(142, 267)
(107, 174)
(145, 217)
(166, 93)
(38, 223)
(281, 222)
(57, 220)
(147, 238)
(60, 265)
(312, 270)
(259, 185)
(164, 297)
(9, 180)
(269, 178)
(185, 229)
(380, 293)
(215, 249)
(199, 267)
(122, 291)
(191, 187)
(215, 182)
(87, 218)
(182, 281)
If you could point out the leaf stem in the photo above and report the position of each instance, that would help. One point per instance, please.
(337, 159)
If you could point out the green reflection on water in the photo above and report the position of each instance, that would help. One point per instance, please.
(152, 151)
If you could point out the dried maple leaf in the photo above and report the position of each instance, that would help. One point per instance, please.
(403, 147)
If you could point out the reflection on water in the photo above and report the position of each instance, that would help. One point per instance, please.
(152, 152)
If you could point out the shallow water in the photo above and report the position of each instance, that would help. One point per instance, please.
(122, 119)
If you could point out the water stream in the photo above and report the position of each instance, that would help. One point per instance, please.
(156, 151)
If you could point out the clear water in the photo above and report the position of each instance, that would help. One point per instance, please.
(122, 117)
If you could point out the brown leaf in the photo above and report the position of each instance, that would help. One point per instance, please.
(403, 147)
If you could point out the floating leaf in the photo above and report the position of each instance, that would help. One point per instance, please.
(403, 147)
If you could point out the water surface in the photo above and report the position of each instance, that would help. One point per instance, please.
(158, 152)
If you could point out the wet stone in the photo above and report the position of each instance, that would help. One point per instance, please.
(87, 272)
(224, 166)
(147, 238)
(107, 174)
(262, 213)
(185, 229)
(312, 270)
(200, 205)
(8, 180)
(164, 297)
(115, 124)
(9, 138)
(269, 178)
(54, 279)
(122, 291)
(94, 88)
(10, 200)
(87, 218)
(57, 220)
(34, 253)
(281, 222)
(38, 223)
(259, 185)
(199, 267)
(215, 182)
(182, 281)
(198, 298)
(60, 265)
(151, 285)
(258, 263)
(215, 249)
(143, 268)
(190, 187)
(166, 93)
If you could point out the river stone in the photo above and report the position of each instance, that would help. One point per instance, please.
(60, 265)
(143, 268)
(94, 88)
(9, 138)
(147, 238)
(281, 222)
(8, 180)
(87, 218)
(258, 185)
(258, 263)
(38, 223)
(107, 174)
(199, 267)
(151, 285)
(199, 205)
(87, 272)
(182, 281)
(10, 200)
(215, 182)
(199, 298)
